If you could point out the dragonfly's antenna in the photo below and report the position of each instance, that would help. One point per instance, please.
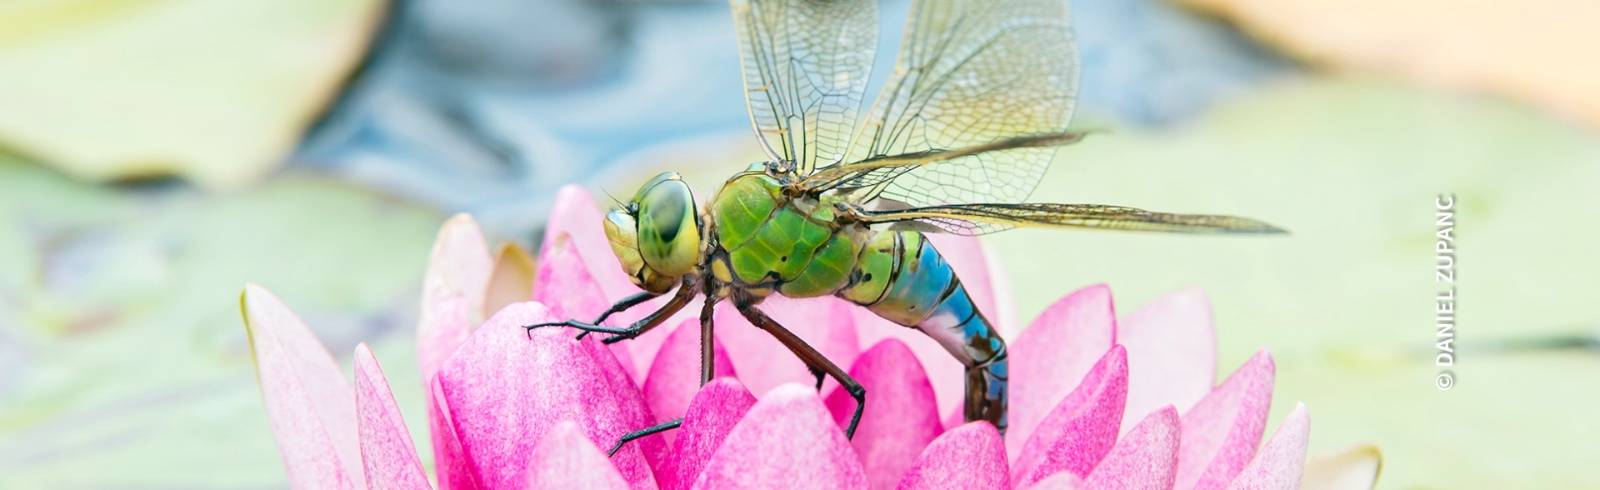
(614, 199)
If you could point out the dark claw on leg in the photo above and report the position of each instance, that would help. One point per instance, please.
(655, 429)
(685, 293)
(820, 376)
(529, 328)
(587, 328)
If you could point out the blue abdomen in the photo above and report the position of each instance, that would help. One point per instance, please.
(902, 278)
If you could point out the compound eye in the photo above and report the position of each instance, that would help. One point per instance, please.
(669, 232)
(649, 185)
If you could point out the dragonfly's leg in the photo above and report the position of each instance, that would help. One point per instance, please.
(812, 358)
(621, 306)
(656, 318)
(820, 376)
(706, 373)
(707, 350)
(706, 360)
(654, 429)
(623, 333)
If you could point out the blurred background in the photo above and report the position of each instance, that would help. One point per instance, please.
(157, 155)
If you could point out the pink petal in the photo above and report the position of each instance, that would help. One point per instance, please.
(1355, 468)
(675, 376)
(1082, 428)
(633, 406)
(1172, 352)
(387, 455)
(1145, 458)
(568, 283)
(450, 462)
(575, 217)
(310, 407)
(711, 415)
(945, 373)
(640, 353)
(453, 291)
(967, 256)
(506, 389)
(968, 456)
(1059, 481)
(590, 277)
(1053, 354)
(763, 363)
(1005, 312)
(787, 440)
(955, 418)
(565, 285)
(1280, 463)
(567, 459)
(1221, 432)
(901, 418)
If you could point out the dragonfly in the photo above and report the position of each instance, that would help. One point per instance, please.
(955, 142)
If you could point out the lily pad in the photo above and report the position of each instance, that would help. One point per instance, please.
(120, 341)
(1345, 302)
(215, 92)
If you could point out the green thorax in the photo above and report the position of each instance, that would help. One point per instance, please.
(771, 242)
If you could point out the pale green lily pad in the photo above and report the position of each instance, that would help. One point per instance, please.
(131, 365)
(217, 92)
(1345, 303)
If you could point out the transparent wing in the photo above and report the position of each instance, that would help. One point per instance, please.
(805, 64)
(970, 73)
(978, 219)
(834, 177)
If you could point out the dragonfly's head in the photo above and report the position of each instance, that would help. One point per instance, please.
(656, 234)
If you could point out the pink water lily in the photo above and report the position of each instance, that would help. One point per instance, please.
(1097, 401)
